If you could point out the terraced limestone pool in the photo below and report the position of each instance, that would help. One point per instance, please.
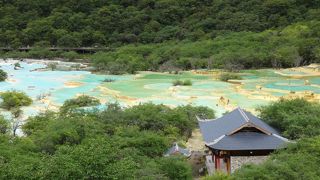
(49, 89)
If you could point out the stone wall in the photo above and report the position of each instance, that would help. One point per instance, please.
(238, 161)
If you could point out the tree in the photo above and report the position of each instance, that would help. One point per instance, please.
(16, 119)
(4, 125)
(52, 66)
(3, 75)
(80, 101)
(176, 168)
(295, 118)
(14, 99)
(69, 40)
(296, 162)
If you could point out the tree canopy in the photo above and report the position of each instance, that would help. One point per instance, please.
(14, 99)
(116, 143)
(3, 75)
(100, 22)
(295, 118)
(166, 35)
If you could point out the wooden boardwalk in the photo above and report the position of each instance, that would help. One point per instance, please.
(76, 49)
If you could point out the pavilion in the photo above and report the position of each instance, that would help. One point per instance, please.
(236, 135)
(177, 150)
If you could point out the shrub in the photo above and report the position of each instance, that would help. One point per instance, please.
(295, 118)
(227, 76)
(14, 99)
(176, 168)
(52, 66)
(3, 75)
(187, 82)
(109, 80)
(4, 125)
(81, 101)
(71, 55)
(182, 83)
(177, 83)
(17, 65)
(298, 161)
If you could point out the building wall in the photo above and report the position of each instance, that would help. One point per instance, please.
(238, 161)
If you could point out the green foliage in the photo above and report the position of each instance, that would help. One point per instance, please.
(173, 122)
(116, 143)
(167, 35)
(295, 118)
(177, 83)
(182, 83)
(176, 168)
(4, 125)
(299, 161)
(227, 76)
(52, 66)
(14, 99)
(71, 55)
(108, 80)
(80, 101)
(38, 122)
(96, 23)
(40, 53)
(3, 75)
(292, 46)
(218, 176)
(93, 159)
(17, 65)
(187, 82)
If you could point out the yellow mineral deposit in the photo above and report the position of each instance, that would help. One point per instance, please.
(72, 84)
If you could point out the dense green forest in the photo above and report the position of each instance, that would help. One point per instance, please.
(116, 143)
(129, 143)
(167, 34)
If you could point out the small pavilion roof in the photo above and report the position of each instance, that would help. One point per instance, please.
(225, 132)
(176, 149)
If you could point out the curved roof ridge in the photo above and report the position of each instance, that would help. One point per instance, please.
(280, 137)
(216, 140)
(245, 117)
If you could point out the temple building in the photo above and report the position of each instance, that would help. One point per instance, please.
(238, 138)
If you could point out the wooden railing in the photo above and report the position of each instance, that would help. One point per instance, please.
(77, 49)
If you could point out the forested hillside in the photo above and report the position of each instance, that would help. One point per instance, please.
(167, 34)
(114, 22)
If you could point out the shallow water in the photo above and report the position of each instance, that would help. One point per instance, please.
(258, 88)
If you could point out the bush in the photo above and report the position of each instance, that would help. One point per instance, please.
(4, 125)
(81, 101)
(71, 55)
(109, 80)
(17, 65)
(187, 82)
(176, 168)
(299, 161)
(295, 118)
(52, 66)
(3, 75)
(177, 83)
(227, 76)
(182, 83)
(15, 99)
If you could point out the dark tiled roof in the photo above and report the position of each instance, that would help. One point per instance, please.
(222, 131)
(213, 129)
(249, 141)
